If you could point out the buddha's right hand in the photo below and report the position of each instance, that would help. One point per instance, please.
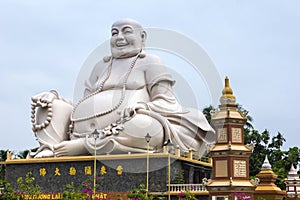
(45, 97)
(74, 147)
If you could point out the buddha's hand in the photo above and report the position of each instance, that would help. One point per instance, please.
(70, 148)
(44, 154)
(130, 111)
(44, 98)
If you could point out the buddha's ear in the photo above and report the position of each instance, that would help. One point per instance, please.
(144, 36)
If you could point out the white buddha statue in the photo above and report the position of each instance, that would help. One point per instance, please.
(127, 95)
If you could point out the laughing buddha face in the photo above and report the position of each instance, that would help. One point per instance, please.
(127, 38)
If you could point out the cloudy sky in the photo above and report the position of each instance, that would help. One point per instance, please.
(43, 45)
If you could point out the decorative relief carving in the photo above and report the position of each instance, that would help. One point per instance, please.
(222, 135)
(240, 169)
(236, 134)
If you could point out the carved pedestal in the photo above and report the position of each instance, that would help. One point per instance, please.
(116, 174)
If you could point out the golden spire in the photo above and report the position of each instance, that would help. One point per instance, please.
(227, 97)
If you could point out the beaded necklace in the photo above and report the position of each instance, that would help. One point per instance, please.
(73, 120)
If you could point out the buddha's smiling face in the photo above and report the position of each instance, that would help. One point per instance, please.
(127, 39)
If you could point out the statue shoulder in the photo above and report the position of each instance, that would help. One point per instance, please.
(151, 58)
(99, 67)
(96, 72)
(151, 62)
(155, 70)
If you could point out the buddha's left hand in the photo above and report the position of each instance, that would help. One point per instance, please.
(130, 111)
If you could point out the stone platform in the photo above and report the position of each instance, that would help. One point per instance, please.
(117, 173)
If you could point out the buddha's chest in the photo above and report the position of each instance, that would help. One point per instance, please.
(120, 74)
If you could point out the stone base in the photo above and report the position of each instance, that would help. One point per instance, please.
(115, 173)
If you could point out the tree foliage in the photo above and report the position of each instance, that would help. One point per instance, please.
(3, 156)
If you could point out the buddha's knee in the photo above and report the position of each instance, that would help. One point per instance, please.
(52, 122)
(141, 124)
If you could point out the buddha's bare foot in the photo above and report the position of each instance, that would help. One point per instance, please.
(70, 148)
(45, 153)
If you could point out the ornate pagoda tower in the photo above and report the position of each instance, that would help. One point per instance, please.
(293, 184)
(267, 189)
(230, 175)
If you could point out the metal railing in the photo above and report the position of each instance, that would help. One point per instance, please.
(187, 187)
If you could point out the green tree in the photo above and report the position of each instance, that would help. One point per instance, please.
(3, 156)
(179, 177)
(260, 140)
(206, 111)
(293, 157)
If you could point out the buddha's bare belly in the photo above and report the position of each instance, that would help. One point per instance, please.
(103, 102)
